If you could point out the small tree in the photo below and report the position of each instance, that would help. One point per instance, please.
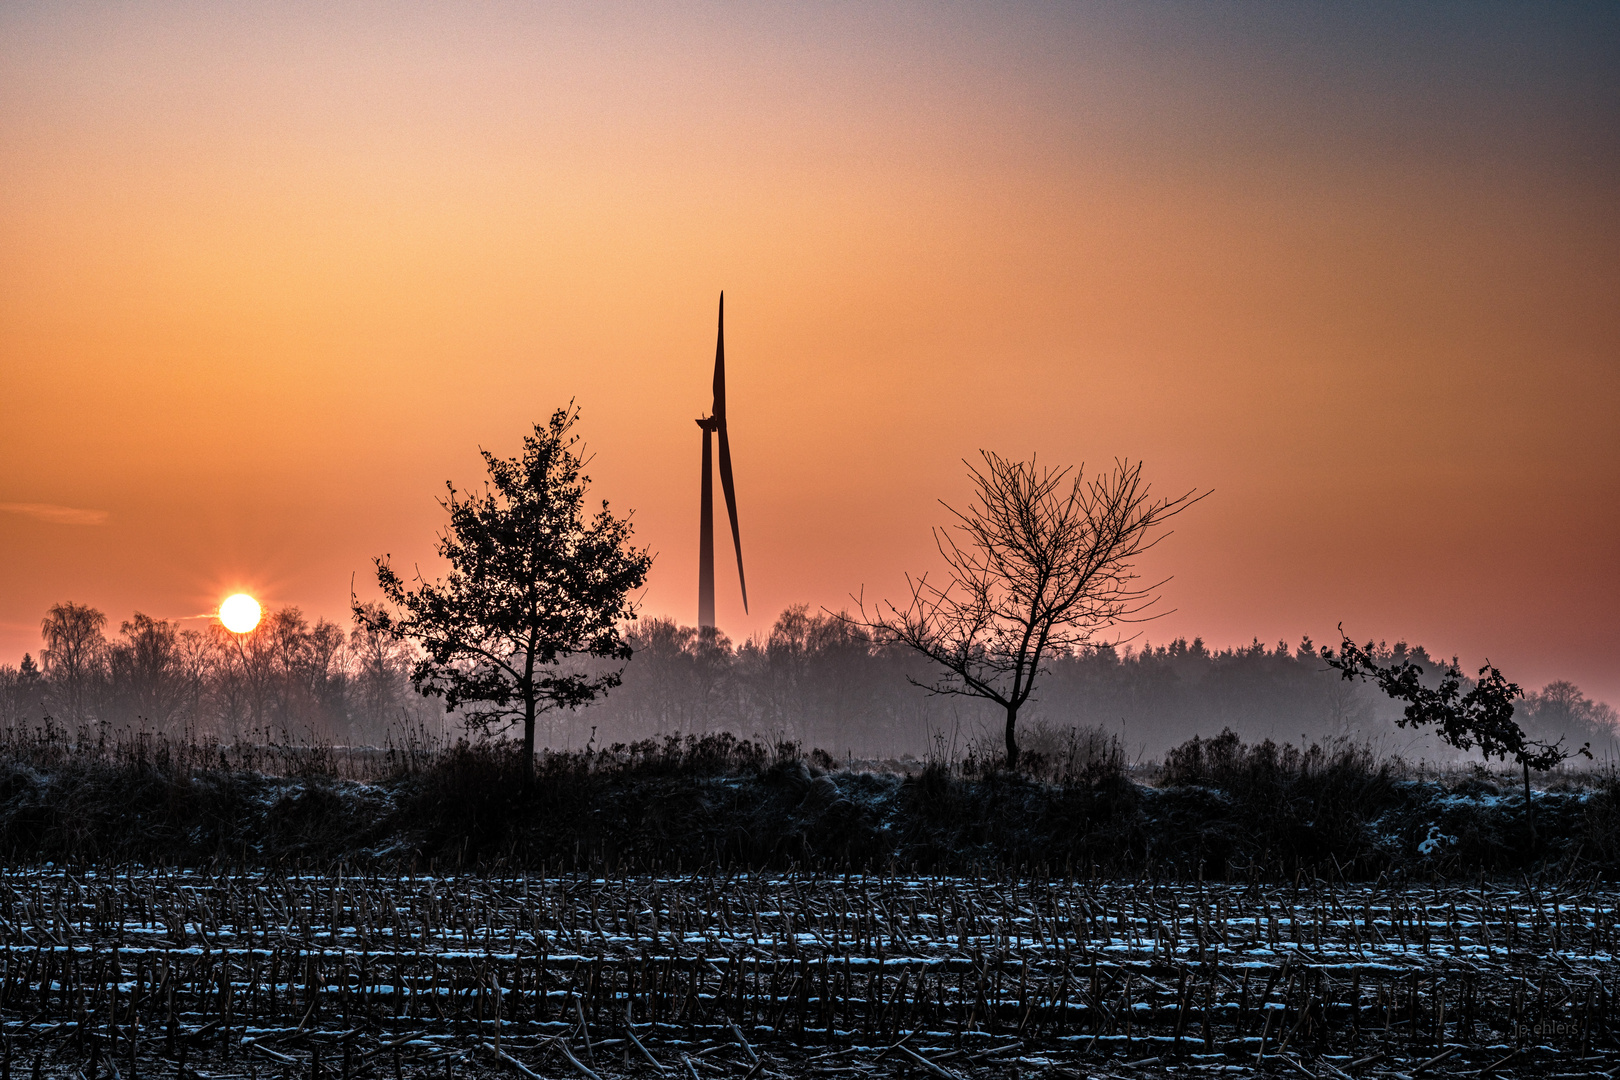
(1482, 717)
(532, 585)
(1042, 567)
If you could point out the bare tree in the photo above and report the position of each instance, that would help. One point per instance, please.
(381, 665)
(1038, 565)
(146, 670)
(75, 650)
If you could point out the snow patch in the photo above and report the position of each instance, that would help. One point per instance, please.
(1436, 840)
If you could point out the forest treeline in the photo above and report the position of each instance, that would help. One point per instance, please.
(290, 679)
(819, 680)
(815, 679)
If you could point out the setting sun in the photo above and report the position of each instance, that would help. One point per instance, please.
(239, 613)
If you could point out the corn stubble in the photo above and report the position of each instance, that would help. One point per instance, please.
(153, 973)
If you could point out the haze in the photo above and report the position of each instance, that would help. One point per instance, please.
(272, 274)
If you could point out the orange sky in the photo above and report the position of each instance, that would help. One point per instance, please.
(270, 274)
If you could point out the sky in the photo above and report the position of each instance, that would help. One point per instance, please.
(270, 274)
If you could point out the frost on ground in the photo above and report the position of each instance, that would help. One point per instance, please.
(200, 976)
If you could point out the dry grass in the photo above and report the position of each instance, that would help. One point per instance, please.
(1216, 810)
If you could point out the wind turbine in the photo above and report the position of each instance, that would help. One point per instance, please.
(715, 423)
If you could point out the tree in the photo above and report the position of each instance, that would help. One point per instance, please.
(19, 692)
(532, 586)
(1559, 708)
(146, 669)
(73, 654)
(381, 664)
(1040, 570)
(1482, 717)
(301, 669)
(814, 671)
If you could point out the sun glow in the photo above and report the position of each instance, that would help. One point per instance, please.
(240, 613)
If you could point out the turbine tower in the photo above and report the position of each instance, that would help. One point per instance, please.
(715, 423)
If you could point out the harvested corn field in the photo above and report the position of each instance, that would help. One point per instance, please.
(307, 976)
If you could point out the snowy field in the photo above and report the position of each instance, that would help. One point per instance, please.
(248, 975)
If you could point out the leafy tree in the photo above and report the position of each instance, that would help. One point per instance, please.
(533, 587)
(1043, 564)
(1481, 717)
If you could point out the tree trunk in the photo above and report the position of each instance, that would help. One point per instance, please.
(528, 742)
(1012, 738)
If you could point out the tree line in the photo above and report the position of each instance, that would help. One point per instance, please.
(287, 678)
(816, 678)
(821, 679)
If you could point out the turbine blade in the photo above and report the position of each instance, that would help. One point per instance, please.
(719, 409)
(731, 505)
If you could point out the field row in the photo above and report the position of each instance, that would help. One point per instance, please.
(768, 972)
